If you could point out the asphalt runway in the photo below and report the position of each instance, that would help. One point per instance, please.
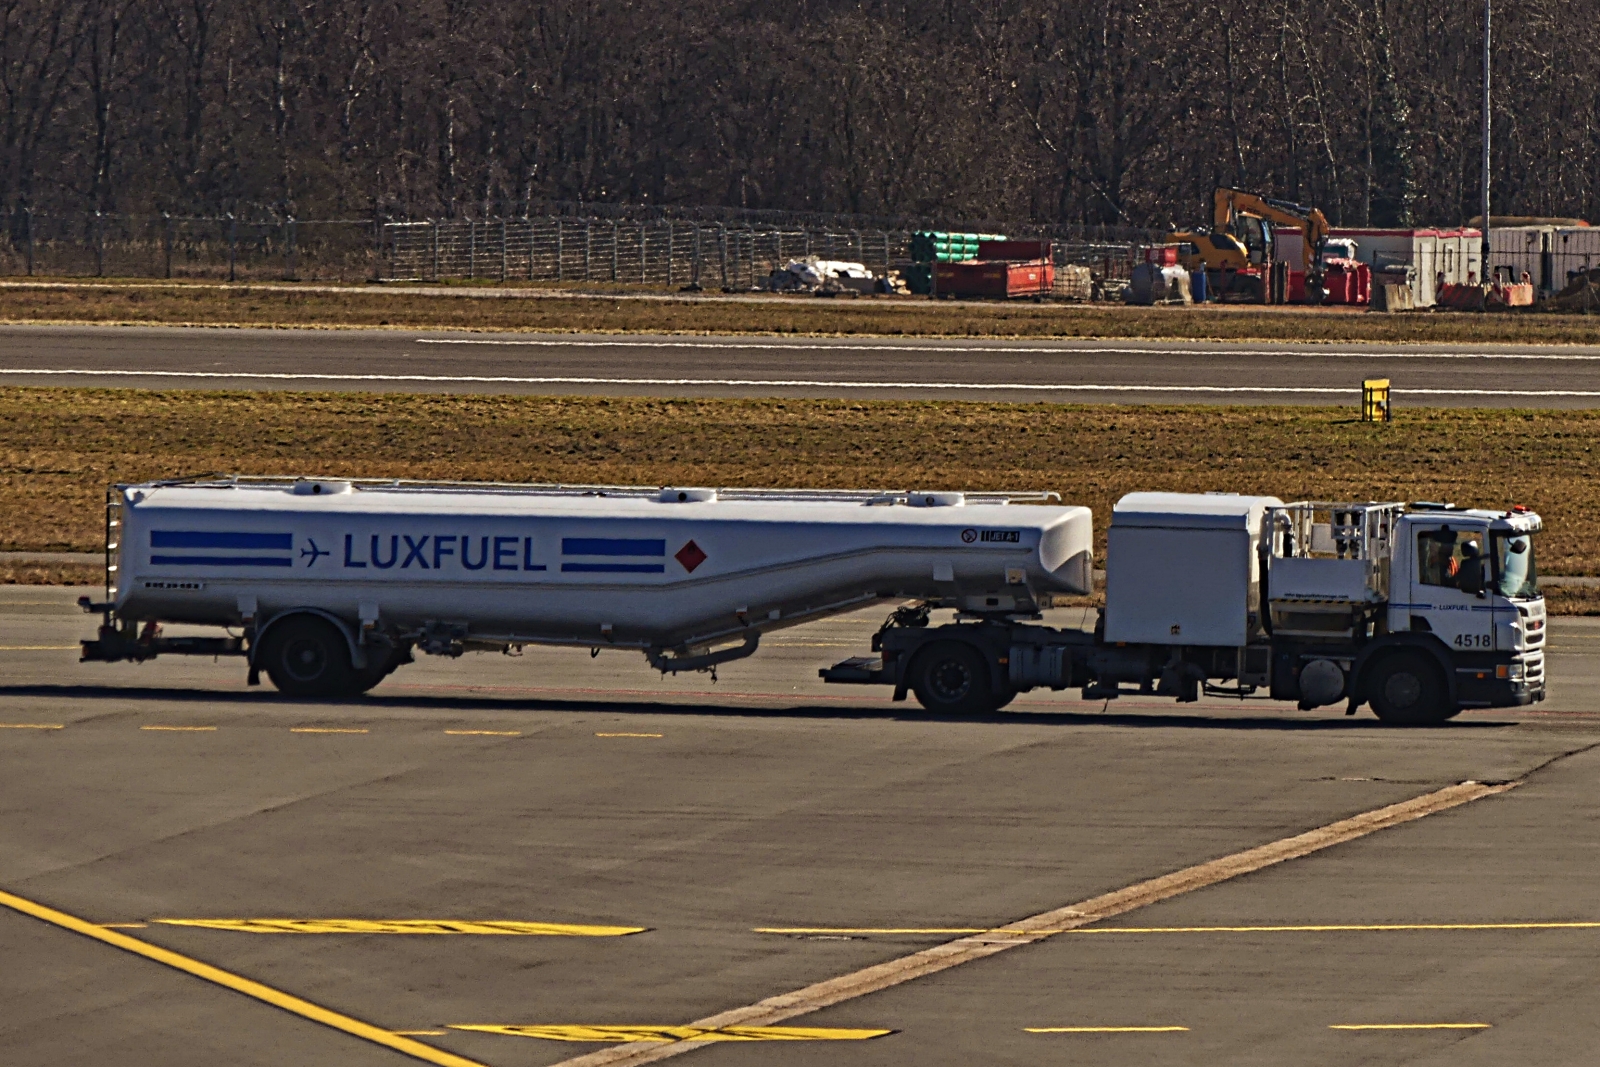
(761, 834)
(1062, 371)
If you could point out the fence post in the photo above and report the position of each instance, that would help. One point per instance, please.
(560, 248)
(588, 246)
(233, 244)
(166, 240)
(722, 250)
(504, 264)
(377, 244)
(99, 245)
(614, 250)
(472, 248)
(290, 257)
(435, 249)
(669, 253)
(529, 221)
(27, 218)
(694, 269)
(643, 255)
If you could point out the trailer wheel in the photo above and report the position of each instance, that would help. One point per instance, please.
(1406, 690)
(306, 656)
(951, 678)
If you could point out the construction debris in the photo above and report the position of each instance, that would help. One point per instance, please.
(1581, 294)
(1152, 283)
(813, 275)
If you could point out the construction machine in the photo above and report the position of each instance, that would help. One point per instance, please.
(1237, 254)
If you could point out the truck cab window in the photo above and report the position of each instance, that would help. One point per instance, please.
(1450, 558)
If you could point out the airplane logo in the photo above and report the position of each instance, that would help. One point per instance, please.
(314, 552)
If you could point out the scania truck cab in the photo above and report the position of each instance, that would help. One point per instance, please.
(1468, 581)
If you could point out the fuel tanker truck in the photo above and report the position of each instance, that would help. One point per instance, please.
(329, 585)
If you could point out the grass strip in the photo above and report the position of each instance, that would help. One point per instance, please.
(60, 447)
(286, 307)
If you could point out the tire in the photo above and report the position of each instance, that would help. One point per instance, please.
(307, 656)
(951, 678)
(382, 661)
(1406, 690)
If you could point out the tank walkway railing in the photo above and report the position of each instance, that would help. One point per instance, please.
(884, 496)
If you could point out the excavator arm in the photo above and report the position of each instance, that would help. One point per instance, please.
(1228, 204)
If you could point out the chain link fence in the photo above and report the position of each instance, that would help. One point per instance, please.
(657, 253)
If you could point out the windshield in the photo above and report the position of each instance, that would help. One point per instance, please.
(1514, 572)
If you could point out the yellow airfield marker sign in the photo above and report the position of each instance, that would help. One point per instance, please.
(626, 1034)
(503, 927)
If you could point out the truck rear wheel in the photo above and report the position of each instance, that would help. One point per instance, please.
(307, 656)
(1407, 690)
(951, 678)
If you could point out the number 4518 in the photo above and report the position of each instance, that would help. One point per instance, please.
(1474, 641)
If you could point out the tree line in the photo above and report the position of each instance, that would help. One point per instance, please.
(1123, 112)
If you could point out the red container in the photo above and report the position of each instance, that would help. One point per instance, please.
(994, 278)
(1162, 255)
(1014, 250)
(1348, 283)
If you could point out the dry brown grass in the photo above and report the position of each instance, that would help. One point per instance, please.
(60, 447)
(1567, 600)
(188, 304)
(51, 573)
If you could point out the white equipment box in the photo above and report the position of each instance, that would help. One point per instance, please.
(1182, 569)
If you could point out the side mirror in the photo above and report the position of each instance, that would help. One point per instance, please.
(1471, 577)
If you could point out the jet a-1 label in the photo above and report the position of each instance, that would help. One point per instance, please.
(986, 537)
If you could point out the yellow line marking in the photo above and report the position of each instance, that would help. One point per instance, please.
(1105, 1029)
(1318, 929)
(1035, 928)
(123, 926)
(38, 648)
(266, 994)
(815, 644)
(677, 1033)
(1411, 1026)
(406, 926)
(872, 930)
(181, 729)
(322, 730)
(484, 733)
(629, 735)
(31, 726)
(419, 1033)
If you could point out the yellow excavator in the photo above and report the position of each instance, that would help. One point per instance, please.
(1237, 254)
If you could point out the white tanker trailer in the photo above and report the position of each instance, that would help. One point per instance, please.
(1419, 609)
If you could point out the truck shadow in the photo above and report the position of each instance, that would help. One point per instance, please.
(265, 699)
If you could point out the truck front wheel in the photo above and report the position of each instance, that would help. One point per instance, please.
(307, 656)
(1407, 690)
(951, 678)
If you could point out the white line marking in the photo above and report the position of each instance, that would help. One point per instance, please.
(846, 346)
(791, 383)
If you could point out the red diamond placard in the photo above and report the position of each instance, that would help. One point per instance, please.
(691, 556)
